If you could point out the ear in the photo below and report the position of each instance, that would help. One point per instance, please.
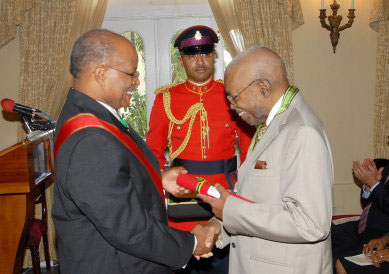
(100, 75)
(180, 60)
(264, 87)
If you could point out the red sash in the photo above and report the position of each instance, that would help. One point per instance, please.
(85, 120)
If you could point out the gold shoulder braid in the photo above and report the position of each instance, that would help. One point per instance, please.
(191, 113)
(220, 81)
(166, 87)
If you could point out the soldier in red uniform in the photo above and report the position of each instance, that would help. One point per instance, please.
(192, 121)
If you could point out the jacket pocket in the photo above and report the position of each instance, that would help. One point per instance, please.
(262, 172)
(258, 266)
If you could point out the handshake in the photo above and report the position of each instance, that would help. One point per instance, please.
(206, 235)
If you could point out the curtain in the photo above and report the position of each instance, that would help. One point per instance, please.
(245, 23)
(11, 15)
(379, 21)
(47, 34)
(224, 13)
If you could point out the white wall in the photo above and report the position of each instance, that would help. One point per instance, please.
(9, 88)
(340, 87)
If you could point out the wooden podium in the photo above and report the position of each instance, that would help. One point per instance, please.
(25, 168)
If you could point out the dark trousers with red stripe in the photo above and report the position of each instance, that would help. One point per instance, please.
(218, 264)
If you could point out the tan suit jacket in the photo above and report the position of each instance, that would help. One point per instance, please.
(287, 229)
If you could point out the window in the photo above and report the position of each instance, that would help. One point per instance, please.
(227, 58)
(136, 114)
(178, 71)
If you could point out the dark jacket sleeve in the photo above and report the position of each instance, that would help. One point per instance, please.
(380, 195)
(102, 181)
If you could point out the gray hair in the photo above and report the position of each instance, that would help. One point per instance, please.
(90, 49)
(261, 71)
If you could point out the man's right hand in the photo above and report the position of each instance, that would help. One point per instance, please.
(213, 230)
(367, 173)
(203, 248)
(206, 236)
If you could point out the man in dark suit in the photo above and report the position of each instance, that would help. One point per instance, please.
(108, 211)
(348, 238)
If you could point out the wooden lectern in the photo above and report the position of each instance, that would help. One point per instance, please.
(25, 168)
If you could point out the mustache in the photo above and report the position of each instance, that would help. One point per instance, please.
(201, 68)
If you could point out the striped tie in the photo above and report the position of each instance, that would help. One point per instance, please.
(261, 132)
(363, 219)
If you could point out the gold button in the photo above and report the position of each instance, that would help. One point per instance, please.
(205, 156)
(194, 88)
(227, 125)
(178, 127)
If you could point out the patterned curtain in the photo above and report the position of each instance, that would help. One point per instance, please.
(47, 34)
(245, 23)
(379, 21)
(11, 15)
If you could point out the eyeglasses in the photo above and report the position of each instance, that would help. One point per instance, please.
(232, 99)
(134, 75)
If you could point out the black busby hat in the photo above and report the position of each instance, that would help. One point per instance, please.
(196, 40)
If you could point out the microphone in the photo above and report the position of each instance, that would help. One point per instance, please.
(31, 120)
(201, 186)
(9, 105)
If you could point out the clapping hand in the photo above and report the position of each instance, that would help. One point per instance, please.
(367, 172)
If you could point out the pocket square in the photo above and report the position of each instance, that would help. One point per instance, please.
(260, 164)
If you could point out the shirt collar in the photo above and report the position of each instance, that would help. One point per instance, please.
(274, 110)
(200, 88)
(111, 109)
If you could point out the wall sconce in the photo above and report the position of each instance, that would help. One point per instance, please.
(335, 20)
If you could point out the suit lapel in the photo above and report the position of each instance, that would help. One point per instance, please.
(271, 133)
(266, 140)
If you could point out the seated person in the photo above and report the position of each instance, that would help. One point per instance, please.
(377, 253)
(349, 238)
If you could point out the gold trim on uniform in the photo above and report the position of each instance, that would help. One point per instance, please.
(166, 87)
(190, 114)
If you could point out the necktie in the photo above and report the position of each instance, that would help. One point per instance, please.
(261, 132)
(363, 219)
(257, 136)
(288, 97)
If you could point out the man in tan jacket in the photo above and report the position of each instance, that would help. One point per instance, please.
(288, 173)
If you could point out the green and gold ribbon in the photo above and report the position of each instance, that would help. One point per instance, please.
(288, 97)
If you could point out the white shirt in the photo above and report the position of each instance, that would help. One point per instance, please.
(274, 110)
(111, 109)
(366, 194)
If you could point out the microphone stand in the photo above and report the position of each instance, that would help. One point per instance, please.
(34, 122)
(26, 123)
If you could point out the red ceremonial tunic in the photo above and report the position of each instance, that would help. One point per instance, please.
(224, 127)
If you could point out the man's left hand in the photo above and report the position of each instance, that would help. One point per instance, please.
(217, 204)
(169, 181)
